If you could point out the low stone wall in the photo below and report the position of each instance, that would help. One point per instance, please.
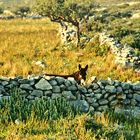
(99, 95)
(125, 55)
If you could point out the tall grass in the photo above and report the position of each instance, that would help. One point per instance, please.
(23, 42)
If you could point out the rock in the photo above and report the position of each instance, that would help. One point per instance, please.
(82, 105)
(67, 83)
(112, 97)
(62, 87)
(119, 89)
(95, 86)
(56, 89)
(37, 93)
(106, 95)
(72, 88)
(68, 95)
(48, 93)
(103, 102)
(98, 91)
(130, 96)
(30, 97)
(4, 83)
(133, 102)
(43, 85)
(125, 86)
(26, 86)
(60, 80)
(137, 97)
(95, 105)
(56, 95)
(121, 96)
(102, 108)
(91, 109)
(110, 89)
(136, 86)
(53, 82)
(113, 103)
(126, 101)
(98, 96)
(82, 89)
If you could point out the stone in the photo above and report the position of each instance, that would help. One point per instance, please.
(113, 103)
(130, 96)
(111, 98)
(91, 109)
(119, 89)
(56, 95)
(90, 100)
(133, 102)
(126, 101)
(95, 105)
(95, 86)
(62, 87)
(67, 83)
(4, 83)
(37, 93)
(48, 93)
(68, 95)
(26, 87)
(125, 86)
(53, 82)
(97, 91)
(102, 108)
(98, 96)
(60, 80)
(82, 89)
(121, 96)
(43, 85)
(137, 97)
(103, 102)
(82, 105)
(136, 86)
(72, 88)
(56, 89)
(110, 89)
(30, 97)
(72, 80)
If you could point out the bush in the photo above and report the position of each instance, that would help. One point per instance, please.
(22, 11)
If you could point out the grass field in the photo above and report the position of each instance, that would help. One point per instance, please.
(24, 42)
(57, 120)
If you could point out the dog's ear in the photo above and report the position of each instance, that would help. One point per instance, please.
(86, 67)
(79, 66)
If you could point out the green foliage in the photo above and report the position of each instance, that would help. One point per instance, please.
(22, 11)
(20, 108)
(1, 10)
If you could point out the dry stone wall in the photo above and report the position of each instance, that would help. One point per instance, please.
(99, 95)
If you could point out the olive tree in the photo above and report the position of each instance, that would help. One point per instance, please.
(65, 11)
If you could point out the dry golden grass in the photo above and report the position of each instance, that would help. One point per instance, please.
(23, 42)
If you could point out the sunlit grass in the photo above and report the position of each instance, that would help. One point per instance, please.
(23, 42)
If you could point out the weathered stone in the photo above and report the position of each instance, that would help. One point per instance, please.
(37, 93)
(110, 89)
(43, 85)
(53, 82)
(67, 83)
(72, 80)
(68, 95)
(95, 86)
(60, 80)
(56, 95)
(72, 88)
(133, 102)
(82, 105)
(48, 93)
(82, 89)
(136, 86)
(102, 108)
(121, 96)
(98, 96)
(95, 105)
(103, 102)
(91, 109)
(126, 101)
(97, 91)
(106, 95)
(62, 87)
(26, 86)
(90, 91)
(113, 103)
(110, 81)
(89, 95)
(112, 97)
(119, 89)
(56, 89)
(130, 96)
(90, 100)
(30, 97)
(137, 97)
(125, 86)
(4, 83)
